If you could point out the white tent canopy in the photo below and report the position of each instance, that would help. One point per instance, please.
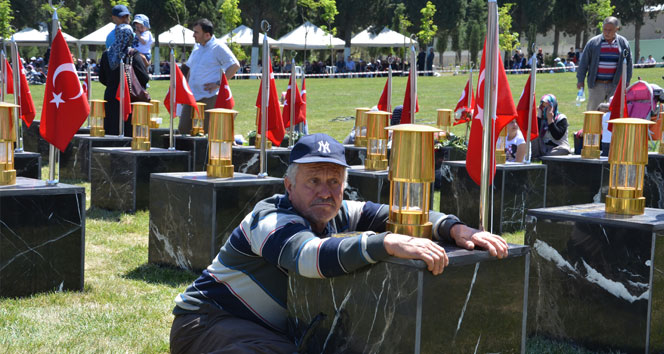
(31, 36)
(244, 36)
(384, 38)
(314, 36)
(179, 35)
(98, 37)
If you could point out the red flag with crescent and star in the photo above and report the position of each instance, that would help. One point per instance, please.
(27, 108)
(405, 112)
(84, 83)
(522, 111)
(614, 105)
(65, 106)
(299, 117)
(182, 92)
(9, 78)
(275, 125)
(382, 102)
(303, 95)
(463, 113)
(225, 96)
(126, 102)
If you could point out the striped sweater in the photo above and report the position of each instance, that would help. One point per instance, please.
(249, 275)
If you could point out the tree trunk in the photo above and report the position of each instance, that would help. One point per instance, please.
(637, 40)
(577, 40)
(585, 38)
(255, 43)
(556, 41)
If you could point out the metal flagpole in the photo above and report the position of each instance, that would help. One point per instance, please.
(470, 99)
(390, 60)
(17, 97)
(413, 83)
(265, 98)
(172, 88)
(88, 82)
(292, 105)
(490, 97)
(531, 96)
(624, 83)
(53, 153)
(122, 96)
(3, 74)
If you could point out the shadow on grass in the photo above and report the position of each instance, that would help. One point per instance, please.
(544, 345)
(158, 274)
(103, 214)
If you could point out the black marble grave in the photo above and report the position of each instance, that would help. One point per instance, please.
(572, 180)
(84, 130)
(27, 164)
(446, 153)
(246, 159)
(653, 181)
(75, 160)
(42, 237)
(355, 156)
(597, 279)
(191, 215)
(366, 185)
(398, 306)
(120, 177)
(33, 142)
(197, 147)
(157, 137)
(516, 188)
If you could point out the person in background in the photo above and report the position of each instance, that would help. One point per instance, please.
(642, 60)
(515, 144)
(429, 63)
(421, 59)
(651, 61)
(143, 41)
(571, 55)
(606, 133)
(553, 127)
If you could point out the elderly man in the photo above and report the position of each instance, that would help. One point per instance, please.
(602, 60)
(238, 305)
(209, 57)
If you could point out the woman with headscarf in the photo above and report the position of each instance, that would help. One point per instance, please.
(553, 126)
(109, 73)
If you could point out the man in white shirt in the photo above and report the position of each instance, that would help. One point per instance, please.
(209, 58)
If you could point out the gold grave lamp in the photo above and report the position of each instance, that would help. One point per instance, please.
(198, 120)
(444, 122)
(592, 132)
(7, 139)
(140, 122)
(628, 157)
(361, 126)
(220, 142)
(501, 157)
(155, 121)
(257, 142)
(377, 136)
(411, 174)
(97, 114)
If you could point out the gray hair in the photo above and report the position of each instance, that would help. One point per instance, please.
(612, 20)
(291, 172)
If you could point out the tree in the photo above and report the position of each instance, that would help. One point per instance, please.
(476, 16)
(6, 18)
(230, 15)
(596, 11)
(507, 40)
(427, 29)
(633, 11)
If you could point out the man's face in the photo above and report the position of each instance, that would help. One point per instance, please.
(609, 31)
(200, 36)
(318, 191)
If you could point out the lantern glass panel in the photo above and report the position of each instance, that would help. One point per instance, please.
(377, 147)
(409, 197)
(215, 150)
(225, 150)
(4, 152)
(591, 140)
(625, 176)
(198, 123)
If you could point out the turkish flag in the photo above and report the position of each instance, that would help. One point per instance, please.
(65, 106)
(299, 117)
(405, 112)
(382, 102)
(303, 95)
(462, 112)
(505, 113)
(9, 78)
(126, 102)
(27, 108)
(225, 96)
(614, 106)
(522, 111)
(182, 92)
(84, 83)
(275, 125)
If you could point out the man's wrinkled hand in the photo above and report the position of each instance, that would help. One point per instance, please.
(211, 86)
(469, 238)
(408, 247)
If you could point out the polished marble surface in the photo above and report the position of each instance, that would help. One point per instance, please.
(197, 147)
(75, 160)
(653, 181)
(574, 180)
(27, 164)
(246, 159)
(33, 142)
(366, 185)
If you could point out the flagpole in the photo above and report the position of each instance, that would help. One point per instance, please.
(531, 96)
(390, 60)
(490, 92)
(17, 97)
(3, 75)
(172, 89)
(88, 81)
(265, 99)
(413, 82)
(53, 153)
(470, 99)
(623, 83)
(292, 103)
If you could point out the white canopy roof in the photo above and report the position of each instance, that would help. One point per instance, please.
(314, 36)
(98, 37)
(31, 36)
(177, 35)
(385, 38)
(244, 36)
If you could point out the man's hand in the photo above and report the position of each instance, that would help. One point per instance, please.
(579, 85)
(407, 247)
(468, 238)
(211, 86)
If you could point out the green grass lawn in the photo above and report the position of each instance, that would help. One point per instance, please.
(126, 304)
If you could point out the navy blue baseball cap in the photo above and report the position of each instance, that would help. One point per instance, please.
(318, 148)
(120, 11)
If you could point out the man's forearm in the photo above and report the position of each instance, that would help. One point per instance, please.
(230, 72)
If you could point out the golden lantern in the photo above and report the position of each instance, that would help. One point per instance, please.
(140, 121)
(7, 139)
(198, 120)
(628, 157)
(221, 138)
(257, 142)
(361, 126)
(501, 157)
(411, 174)
(97, 114)
(155, 120)
(376, 159)
(444, 122)
(592, 133)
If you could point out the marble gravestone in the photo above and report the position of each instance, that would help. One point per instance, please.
(191, 215)
(197, 147)
(573, 180)
(42, 237)
(442, 154)
(398, 306)
(516, 188)
(75, 160)
(246, 159)
(33, 142)
(597, 279)
(27, 164)
(157, 137)
(363, 185)
(120, 177)
(84, 130)
(355, 155)
(653, 181)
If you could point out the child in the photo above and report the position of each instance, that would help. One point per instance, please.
(143, 41)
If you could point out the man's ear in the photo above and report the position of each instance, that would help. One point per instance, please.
(287, 185)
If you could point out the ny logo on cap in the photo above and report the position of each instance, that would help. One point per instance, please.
(324, 147)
